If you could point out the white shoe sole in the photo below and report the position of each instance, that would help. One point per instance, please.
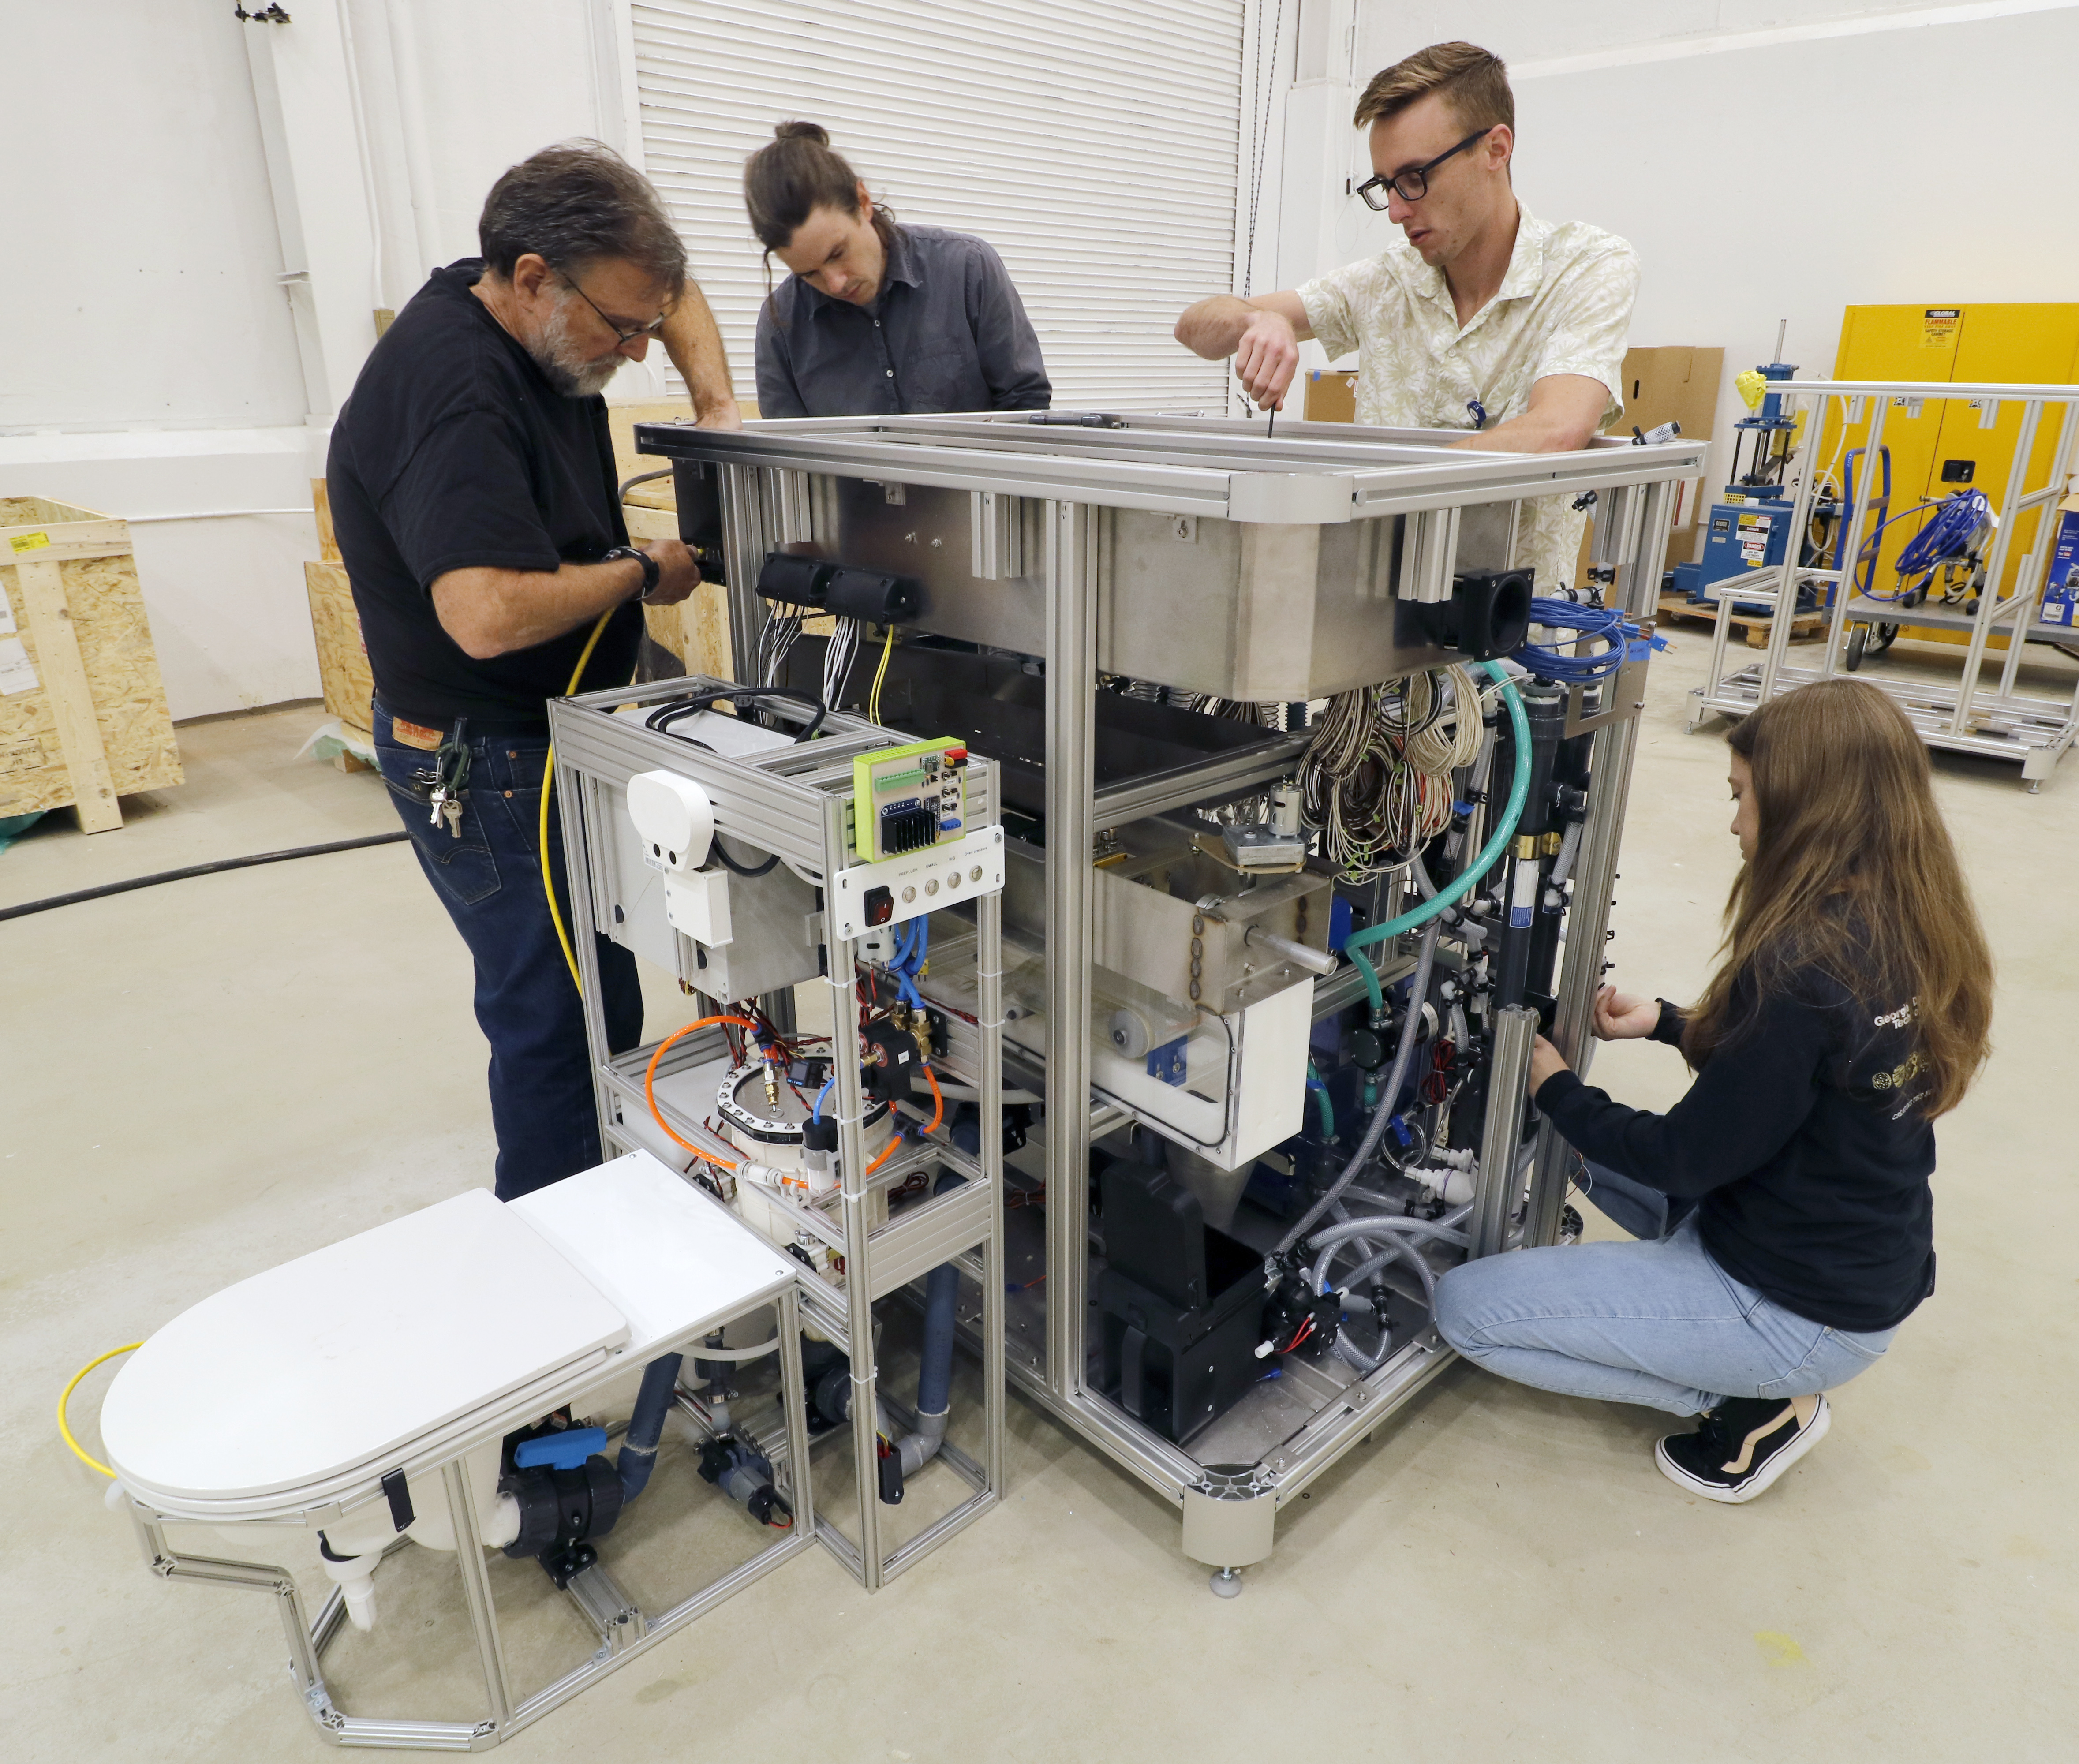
(1762, 1480)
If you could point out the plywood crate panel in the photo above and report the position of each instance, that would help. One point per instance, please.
(94, 725)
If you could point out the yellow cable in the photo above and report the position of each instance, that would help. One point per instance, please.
(64, 1427)
(879, 674)
(548, 784)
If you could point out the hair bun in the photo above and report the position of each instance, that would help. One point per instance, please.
(798, 130)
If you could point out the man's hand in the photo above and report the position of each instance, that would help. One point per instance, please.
(1622, 1018)
(1262, 335)
(677, 575)
(1266, 359)
(1544, 1060)
(724, 415)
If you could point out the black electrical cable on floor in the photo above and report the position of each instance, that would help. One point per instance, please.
(28, 907)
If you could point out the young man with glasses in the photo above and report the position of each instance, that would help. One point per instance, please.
(474, 499)
(1486, 318)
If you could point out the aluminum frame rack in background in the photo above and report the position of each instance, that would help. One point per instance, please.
(1995, 721)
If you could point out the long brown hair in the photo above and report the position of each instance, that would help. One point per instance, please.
(795, 174)
(1853, 875)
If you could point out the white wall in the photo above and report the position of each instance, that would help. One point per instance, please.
(1764, 169)
(151, 358)
(1770, 159)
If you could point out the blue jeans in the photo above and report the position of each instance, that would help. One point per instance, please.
(543, 1104)
(1658, 1323)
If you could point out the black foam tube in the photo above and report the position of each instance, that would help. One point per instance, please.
(638, 1449)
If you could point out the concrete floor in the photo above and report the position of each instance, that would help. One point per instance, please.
(206, 1079)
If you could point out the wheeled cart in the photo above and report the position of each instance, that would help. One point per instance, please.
(2002, 577)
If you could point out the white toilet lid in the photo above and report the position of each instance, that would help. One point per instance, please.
(343, 1360)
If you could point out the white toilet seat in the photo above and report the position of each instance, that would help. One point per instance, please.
(300, 1388)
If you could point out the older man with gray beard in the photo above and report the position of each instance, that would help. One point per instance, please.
(473, 492)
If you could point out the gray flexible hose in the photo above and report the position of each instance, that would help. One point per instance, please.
(1410, 1028)
(1347, 1351)
(1406, 1252)
(1365, 1240)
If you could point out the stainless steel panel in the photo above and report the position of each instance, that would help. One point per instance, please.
(1240, 610)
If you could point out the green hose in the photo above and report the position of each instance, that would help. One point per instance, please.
(1321, 1101)
(1463, 884)
(1370, 975)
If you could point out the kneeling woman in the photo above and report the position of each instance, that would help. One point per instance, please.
(1850, 1011)
(877, 319)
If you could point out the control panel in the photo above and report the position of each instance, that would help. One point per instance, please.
(866, 895)
(908, 799)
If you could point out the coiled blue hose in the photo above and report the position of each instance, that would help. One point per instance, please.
(1554, 662)
(1948, 535)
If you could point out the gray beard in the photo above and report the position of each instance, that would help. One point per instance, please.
(569, 372)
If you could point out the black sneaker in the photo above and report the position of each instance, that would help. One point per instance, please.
(1740, 1447)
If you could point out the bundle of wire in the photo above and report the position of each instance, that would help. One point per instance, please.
(782, 627)
(1376, 777)
(1562, 660)
(839, 655)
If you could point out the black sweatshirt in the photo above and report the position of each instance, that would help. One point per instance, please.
(1803, 1139)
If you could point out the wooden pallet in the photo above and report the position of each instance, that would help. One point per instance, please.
(83, 714)
(1805, 627)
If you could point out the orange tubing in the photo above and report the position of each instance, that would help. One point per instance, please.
(937, 1114)
(650, 1096)
(650, 1086)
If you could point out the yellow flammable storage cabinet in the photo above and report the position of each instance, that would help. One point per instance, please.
(1943, 448)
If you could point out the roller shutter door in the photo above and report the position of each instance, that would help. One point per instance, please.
(1096, 147)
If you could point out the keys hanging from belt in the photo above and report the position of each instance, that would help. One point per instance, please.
(449, 777)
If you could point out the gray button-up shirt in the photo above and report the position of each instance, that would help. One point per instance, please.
(946, 332)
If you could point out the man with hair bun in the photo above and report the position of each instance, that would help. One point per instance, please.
(878, 319)
(1486, 318)
(473, 492)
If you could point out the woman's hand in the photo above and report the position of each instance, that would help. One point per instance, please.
(1621, 1017)
(1544, 1060)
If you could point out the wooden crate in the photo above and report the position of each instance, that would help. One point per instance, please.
(83, 714)
(349, 687)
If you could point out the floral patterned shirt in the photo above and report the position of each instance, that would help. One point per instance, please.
(1563, 307)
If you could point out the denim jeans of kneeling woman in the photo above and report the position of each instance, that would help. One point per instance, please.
(1657, 1322)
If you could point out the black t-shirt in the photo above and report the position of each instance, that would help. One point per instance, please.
(454, 452)
(1803, 1138)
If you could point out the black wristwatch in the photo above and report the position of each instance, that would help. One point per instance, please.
(651, 574)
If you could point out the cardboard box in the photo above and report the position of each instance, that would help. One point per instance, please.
(1332, 395)
(2060, 592)
(1675, 384)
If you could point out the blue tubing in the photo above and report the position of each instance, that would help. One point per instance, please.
(941, 1292)
(639, 1447)
(1463, 884)
(817, 1113)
